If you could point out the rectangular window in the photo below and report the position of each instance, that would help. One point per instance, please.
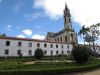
(30, 44)
(19, 43)
(6, 51)
(7, 43)
(61, 46)
(38, 44)
(51, 45)
(30, 52)
(57, 52)
(56, 46)
(45, 45)
(45, 52)
(62, 52)
(18, 52)
(51, 52)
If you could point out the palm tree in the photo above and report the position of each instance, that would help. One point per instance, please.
(83, 32)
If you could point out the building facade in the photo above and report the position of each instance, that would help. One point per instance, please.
(12, 47)
(61, 42)
(67, 35)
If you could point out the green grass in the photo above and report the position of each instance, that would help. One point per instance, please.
(15, 66)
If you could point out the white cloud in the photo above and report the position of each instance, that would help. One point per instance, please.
(21, 36)
(83, 11)
(9, 26)
(38, 37)
(27, 32)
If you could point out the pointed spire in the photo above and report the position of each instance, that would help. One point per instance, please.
(66, 7)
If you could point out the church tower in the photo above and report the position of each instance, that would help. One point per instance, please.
(67, 18)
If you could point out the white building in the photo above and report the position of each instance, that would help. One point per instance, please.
(57, 43)
(11, 46)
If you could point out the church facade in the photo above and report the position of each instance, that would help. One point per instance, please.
(55, 43)
(67, 35)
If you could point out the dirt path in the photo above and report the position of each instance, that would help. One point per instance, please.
(94, 72)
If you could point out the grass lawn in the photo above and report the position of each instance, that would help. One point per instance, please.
(18, 64)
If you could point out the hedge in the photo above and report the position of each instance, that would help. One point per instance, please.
(50, 71)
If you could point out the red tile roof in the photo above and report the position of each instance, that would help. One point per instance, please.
(29, 39)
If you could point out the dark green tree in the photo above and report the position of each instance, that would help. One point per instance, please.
(81, 54)
(3, 35)
(38, 53)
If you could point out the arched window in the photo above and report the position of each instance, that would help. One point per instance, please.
(38, 44)
(65, 38)
(61, 39)
(57, 39)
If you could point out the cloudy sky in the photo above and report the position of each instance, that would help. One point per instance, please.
(34, 18)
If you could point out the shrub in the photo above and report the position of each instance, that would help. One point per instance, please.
(81, 54)
(38, 53)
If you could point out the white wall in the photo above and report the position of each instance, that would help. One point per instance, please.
(25, 47)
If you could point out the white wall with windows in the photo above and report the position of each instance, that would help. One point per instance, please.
(13, 47)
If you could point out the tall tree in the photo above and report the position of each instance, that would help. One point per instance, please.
(95, 33)
(83, 32)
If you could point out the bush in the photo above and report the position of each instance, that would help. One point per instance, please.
(81, 54)
(38, 53)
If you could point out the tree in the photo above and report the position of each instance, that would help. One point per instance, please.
(88, 39)
(95, 33)
(3, 35)
(81, 54)
(83, 32)
(91, 34)
(38, 53)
